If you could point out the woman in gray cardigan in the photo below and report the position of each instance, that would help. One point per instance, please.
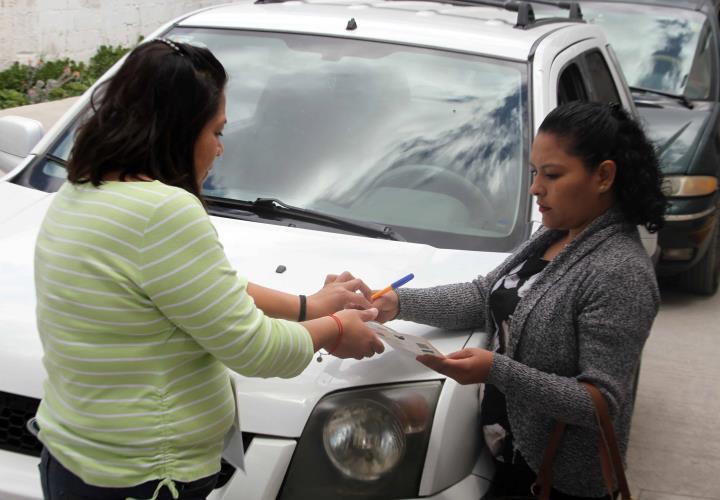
(573, 304)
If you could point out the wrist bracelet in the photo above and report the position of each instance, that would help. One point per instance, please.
(340, 333)
(303, 308)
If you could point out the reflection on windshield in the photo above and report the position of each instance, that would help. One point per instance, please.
(473, 159)
(656, 47)
(407, 137)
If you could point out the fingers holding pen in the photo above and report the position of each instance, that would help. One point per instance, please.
(349, 292)
(354, 286)
(388, 306)
(339, 292)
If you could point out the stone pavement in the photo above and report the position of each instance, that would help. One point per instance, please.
(674, 451)
(675, 436)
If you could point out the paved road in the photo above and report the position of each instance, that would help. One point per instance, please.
(675, 439)
(46, 113)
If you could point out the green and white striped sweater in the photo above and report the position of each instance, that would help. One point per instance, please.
(140, 313)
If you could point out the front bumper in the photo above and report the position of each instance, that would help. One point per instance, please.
(19, 477)
(688, 227)
(266, 462)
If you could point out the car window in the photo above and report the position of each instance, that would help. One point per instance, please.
(431, 143)
(571, 86)
(603, 85)
(656, 47)
(700, 79)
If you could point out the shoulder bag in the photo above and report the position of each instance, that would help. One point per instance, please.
(610, 459)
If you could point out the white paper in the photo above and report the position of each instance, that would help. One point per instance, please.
(404, 341)
(233, 451)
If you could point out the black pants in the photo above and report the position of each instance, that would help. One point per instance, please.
(514, 481)
(58, 483)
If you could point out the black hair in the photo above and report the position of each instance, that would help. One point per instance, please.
(595, 132)
(147, 117)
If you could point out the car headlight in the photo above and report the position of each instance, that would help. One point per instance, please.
(680, 186)
(364, 440)
(364, 443)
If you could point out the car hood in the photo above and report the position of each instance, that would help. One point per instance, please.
(255, 250)
(677, 132)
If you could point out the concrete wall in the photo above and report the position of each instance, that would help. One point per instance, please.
(49, 29)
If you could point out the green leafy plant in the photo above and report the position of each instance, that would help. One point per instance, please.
(10, 98)
(42, 81)
(15, 77)
(104, 58)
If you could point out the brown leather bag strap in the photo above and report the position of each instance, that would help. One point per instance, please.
(544, 477)
(608, 451)
(606, 464)
(608, 439)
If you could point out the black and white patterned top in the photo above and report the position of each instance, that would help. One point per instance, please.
(504, 298)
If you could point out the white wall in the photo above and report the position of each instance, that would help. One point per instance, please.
(49, 29)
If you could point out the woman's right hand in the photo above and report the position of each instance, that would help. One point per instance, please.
(358, 340)
(388, 306)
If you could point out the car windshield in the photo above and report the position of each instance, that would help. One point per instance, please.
(664, 49)
(430, 143)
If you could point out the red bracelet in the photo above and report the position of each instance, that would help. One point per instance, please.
(340, 333)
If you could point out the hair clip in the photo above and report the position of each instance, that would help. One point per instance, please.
(170, 44)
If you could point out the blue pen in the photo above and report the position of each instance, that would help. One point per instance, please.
(392, 286)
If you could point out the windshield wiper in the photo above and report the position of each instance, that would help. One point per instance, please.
(268, 207)
(681, 98)
(56, 159)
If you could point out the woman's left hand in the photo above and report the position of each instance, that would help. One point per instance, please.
(469, 366)
(342, 291)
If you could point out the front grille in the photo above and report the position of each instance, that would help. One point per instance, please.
(15, 411)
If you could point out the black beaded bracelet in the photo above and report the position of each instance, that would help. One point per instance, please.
(303, 308)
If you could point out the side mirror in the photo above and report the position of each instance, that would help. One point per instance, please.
(18, 136)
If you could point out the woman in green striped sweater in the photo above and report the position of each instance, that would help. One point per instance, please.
(139, 311)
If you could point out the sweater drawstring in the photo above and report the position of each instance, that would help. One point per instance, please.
(169, 483)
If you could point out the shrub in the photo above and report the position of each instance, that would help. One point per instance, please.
(10, 98)
(22, 84)
(16, 77)
(104, 58)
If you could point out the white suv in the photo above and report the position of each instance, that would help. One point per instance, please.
(382, 137)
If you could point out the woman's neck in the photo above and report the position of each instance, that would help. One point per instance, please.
(116, 176)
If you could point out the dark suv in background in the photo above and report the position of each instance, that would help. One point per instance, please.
(668, 50)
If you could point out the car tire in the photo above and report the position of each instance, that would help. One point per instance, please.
(703, 278)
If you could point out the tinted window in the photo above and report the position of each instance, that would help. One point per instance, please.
(604, 89)
(700, 80)
(571, 86)
(656, 46)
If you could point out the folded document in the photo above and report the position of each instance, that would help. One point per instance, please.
(404, 341)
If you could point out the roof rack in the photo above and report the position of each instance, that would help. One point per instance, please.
(525, 13)
(573, 7)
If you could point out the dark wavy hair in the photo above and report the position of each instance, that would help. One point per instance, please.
(147, 117)
(595, 132)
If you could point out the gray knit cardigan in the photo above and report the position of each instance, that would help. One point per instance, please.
(586, 318)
